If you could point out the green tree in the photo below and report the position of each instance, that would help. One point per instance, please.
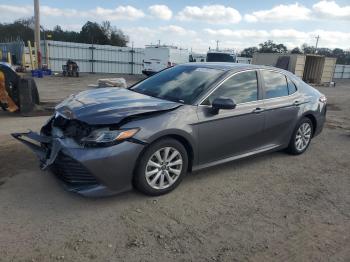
(20, 29)
(249, 51)
(93, 33)
(270, 47)
(118, 38)
(104, 34)
(324, 51)
(343, 57)
(58, 34)
(296, 50)
(307, 49)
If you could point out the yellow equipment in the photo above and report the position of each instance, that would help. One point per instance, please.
(5, 100)
(17, 93)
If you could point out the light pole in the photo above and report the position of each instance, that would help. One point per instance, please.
(37, 32)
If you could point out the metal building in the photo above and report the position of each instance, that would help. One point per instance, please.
(342, 72)
(93, 58)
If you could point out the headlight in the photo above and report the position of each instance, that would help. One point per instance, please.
(323, 99)
(106, 137)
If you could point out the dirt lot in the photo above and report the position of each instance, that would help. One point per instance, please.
(272, 207)
(55, 88)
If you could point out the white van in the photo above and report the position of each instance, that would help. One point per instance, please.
(159, 57)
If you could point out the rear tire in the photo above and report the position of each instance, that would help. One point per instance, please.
(301, 137)
(161, 167)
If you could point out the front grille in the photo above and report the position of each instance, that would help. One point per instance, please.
(72, 172)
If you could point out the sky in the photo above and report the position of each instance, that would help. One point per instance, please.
(198, 24)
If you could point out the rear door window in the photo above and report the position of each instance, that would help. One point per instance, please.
(275, 84)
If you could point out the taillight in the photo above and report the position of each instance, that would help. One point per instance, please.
(323, 99)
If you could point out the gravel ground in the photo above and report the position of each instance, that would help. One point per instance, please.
(272, 207)
(55, 88)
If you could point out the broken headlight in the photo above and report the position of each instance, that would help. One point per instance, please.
(106, 137)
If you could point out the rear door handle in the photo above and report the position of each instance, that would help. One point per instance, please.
(258, 110)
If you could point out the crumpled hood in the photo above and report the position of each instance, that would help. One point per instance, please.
(110, 105)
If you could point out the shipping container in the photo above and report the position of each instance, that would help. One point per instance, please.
(314, 69)
(243, 60)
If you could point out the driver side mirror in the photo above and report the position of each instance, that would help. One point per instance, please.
(222, 103)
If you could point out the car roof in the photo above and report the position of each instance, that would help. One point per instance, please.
(232, 66)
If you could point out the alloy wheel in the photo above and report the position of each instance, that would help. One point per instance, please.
(163, 168)
(303, 136)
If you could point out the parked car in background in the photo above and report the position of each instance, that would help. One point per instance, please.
(185, 118)
(221, 56)
(159, 57)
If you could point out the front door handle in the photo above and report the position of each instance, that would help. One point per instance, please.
(297, 103)
(258, 110)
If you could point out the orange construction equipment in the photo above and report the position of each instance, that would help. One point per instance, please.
(17, 93)
(5, 100)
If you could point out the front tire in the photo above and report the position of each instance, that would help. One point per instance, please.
(301, 137)
(161, 167)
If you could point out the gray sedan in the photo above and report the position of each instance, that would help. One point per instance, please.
(185, 118)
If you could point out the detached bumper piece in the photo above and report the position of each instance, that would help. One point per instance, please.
(35, 147)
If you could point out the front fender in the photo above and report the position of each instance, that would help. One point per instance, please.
(180, 122)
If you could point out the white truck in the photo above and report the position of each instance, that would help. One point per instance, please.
(221, 56)
(159, 57)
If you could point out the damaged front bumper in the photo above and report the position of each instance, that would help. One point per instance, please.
(88, 171)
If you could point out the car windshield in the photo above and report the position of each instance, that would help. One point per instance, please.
(182, 83)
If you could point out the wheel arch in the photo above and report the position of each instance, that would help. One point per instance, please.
(187, 146)
(313, 119)
(184, 139)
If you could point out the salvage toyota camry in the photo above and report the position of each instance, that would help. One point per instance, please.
(185, 118)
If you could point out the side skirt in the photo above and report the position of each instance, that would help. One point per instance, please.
(229, 159)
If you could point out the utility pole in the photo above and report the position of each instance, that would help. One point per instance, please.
(132, 57)
(317, 38)
(37, 32)
(217, 45)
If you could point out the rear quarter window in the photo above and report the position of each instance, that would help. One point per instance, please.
(275, 84)
(292, 88)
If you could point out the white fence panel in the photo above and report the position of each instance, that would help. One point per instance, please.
(342, 71)
(94, 58)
